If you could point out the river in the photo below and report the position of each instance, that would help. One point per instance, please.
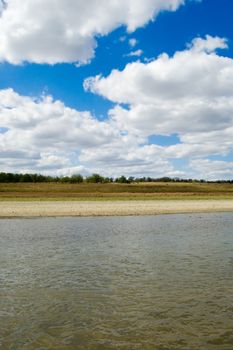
(155, 282)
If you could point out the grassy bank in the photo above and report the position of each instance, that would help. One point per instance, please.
(152, 191)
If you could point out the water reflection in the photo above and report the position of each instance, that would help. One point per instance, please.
(162, 282)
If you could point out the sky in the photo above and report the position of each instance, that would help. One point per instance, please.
(126, 87)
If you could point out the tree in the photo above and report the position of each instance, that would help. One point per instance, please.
(76, 179)
(122, 180)
(95, 178)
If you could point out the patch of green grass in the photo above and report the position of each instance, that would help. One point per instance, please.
(140, 191)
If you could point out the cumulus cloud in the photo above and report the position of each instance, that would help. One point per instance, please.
(44, 135)
(209, 44)
(129, 155)
(212, 169)
(56, 31)
(136, 53)
(189, 94)
(49, 120)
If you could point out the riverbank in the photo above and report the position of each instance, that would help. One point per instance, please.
(115, 191)
(111, 208)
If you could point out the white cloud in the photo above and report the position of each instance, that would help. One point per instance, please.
(43, 135)
(136, 53)
(209, 44)
(2, 6)
(212, 169)
(126, 155)
(50, 121)
(56, 31)
(133, 42)
(189, 94)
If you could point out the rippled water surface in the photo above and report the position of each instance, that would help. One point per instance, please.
(163, 282)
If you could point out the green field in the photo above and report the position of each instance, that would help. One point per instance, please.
(113, 191)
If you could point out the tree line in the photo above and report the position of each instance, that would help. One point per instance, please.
(94, 178)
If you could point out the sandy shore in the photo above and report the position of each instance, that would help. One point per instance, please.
(111, 208)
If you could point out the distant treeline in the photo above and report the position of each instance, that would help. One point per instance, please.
(94, 178)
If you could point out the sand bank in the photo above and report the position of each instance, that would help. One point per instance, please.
(111, 208)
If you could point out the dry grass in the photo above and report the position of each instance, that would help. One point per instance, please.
(58, 191)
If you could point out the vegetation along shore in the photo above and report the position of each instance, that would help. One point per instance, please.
(94, 196)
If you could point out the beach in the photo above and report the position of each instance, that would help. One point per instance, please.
(111, 208)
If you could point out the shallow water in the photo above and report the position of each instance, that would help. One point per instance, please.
(162, 282)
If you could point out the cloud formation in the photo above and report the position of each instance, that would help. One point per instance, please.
(212, 169)
(45, 136)
(189, 94)
(136, 53)
(58, 31)
(133, 42)
(42, 134)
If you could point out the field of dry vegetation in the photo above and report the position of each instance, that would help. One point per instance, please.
(113, 191)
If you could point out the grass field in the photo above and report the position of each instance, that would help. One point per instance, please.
(157, 190)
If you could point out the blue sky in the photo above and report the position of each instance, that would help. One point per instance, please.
(111, 126)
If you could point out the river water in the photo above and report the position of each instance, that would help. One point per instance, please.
(153, 282)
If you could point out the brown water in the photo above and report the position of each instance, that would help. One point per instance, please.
(162, 282)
